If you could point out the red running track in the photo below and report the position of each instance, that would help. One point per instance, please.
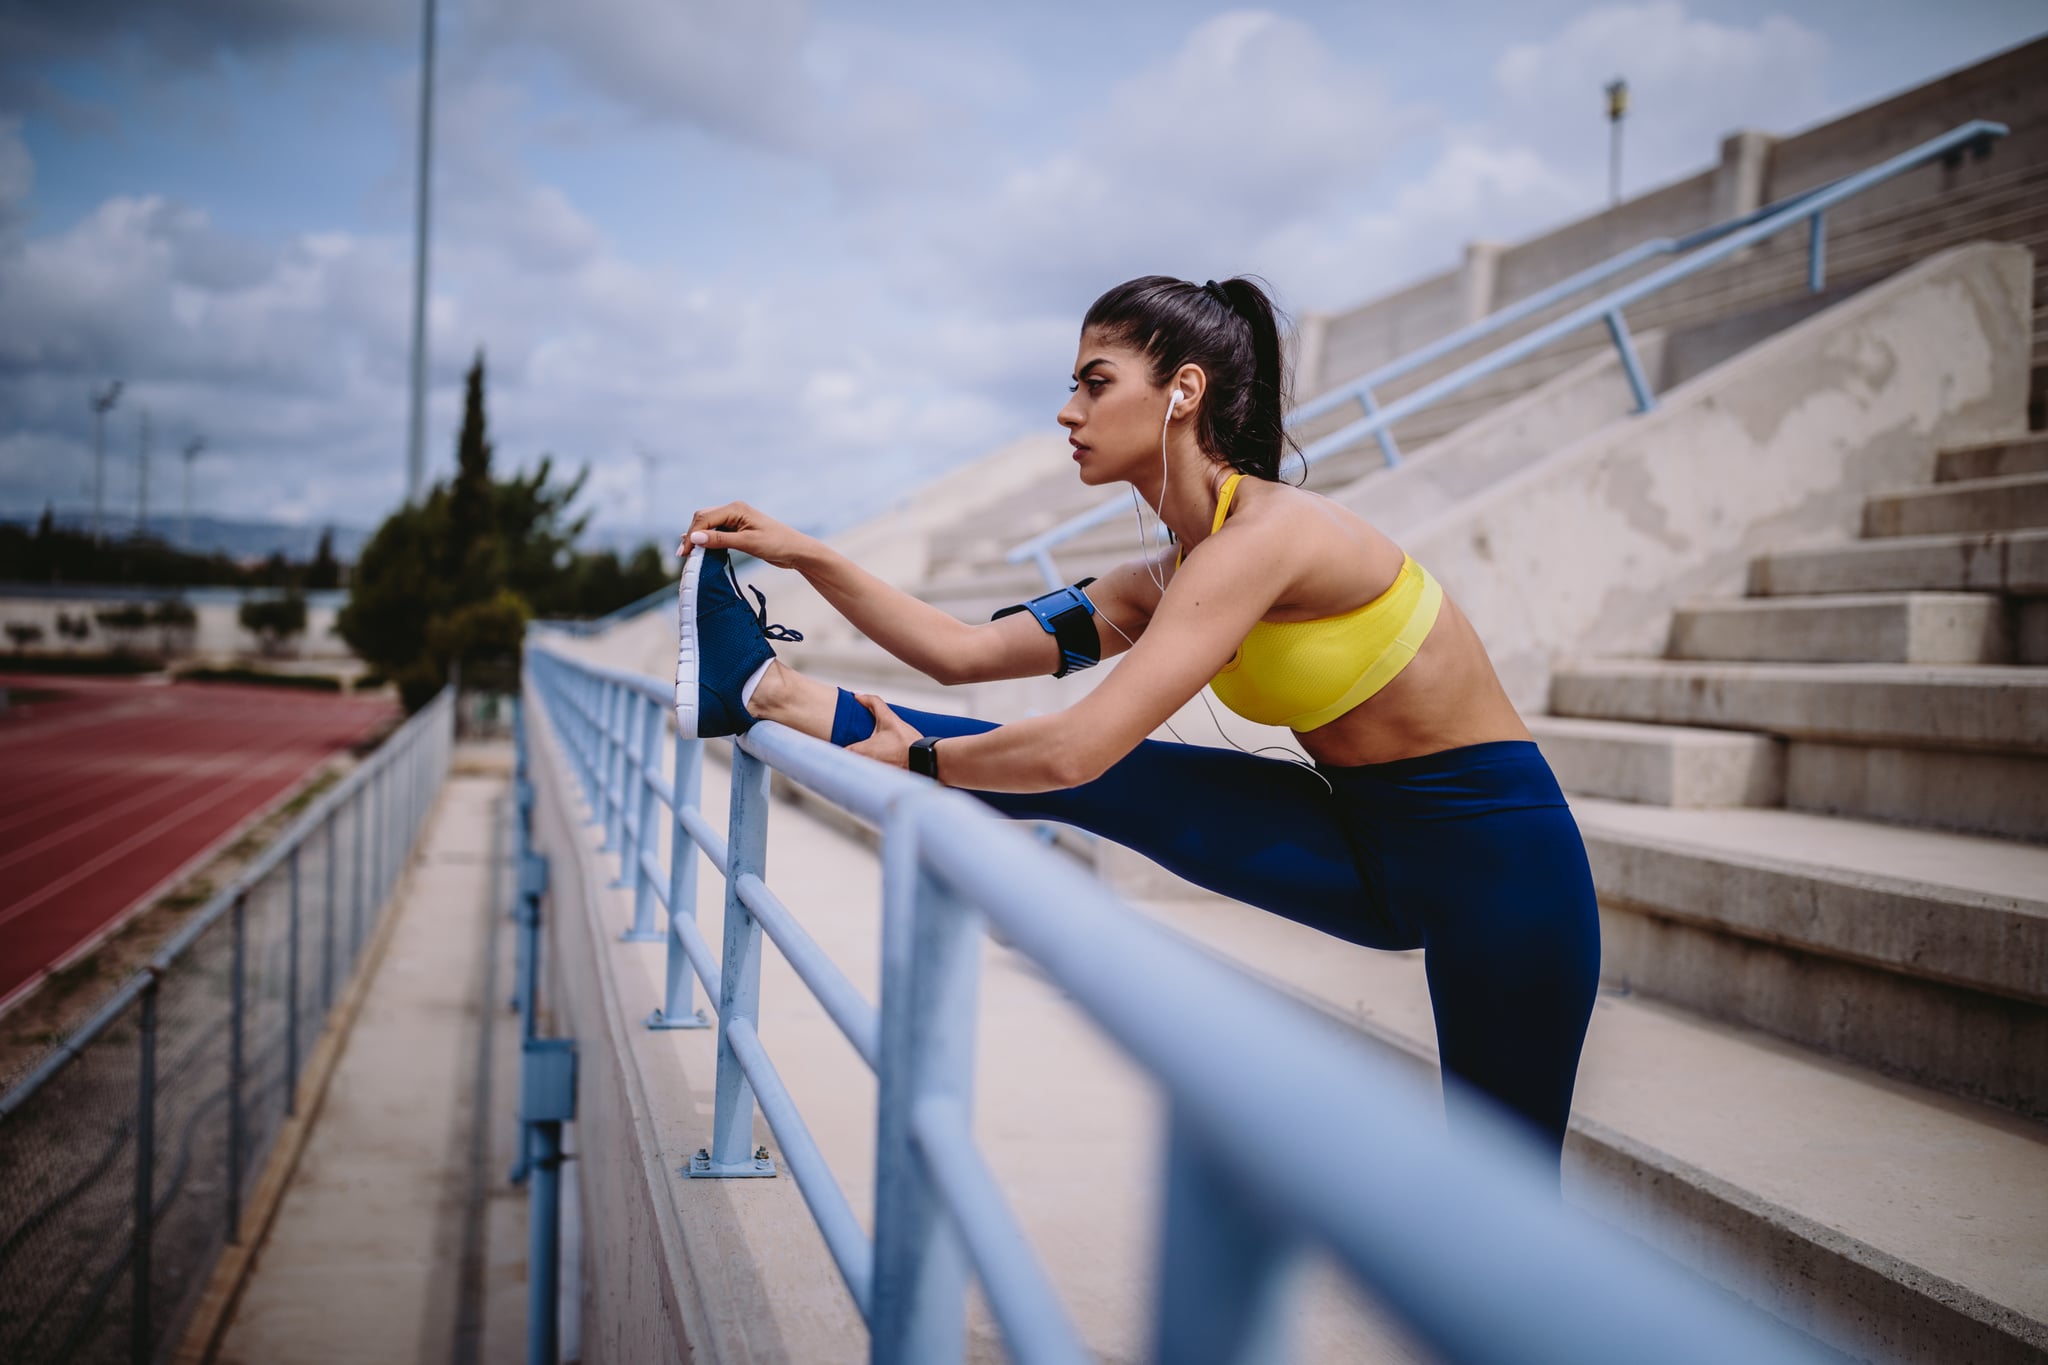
(111, 786)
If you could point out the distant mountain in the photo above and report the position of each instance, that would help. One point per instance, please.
(236, 539)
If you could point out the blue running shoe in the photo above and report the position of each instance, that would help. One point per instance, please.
(720, 642)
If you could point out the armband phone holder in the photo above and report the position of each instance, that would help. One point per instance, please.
(1069, 617)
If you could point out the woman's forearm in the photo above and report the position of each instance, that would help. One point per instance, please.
(1039, 754)
(930, 641)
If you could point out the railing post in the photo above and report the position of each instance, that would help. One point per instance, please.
(1385, 433)
(291, 996)
(685, 793)
(141, 1337)
(327, 920)
(237, 982)
(1224, 1268)
(931, 956)
(1816, 252)
(355, 914)
(1042, 556)
(614, 766)
(547, 1100)
(732, 1121)
(646, 840)
(1631, 364)
(376, 897)
(629, 831)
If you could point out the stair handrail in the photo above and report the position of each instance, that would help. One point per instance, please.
(1706, 247)
(1417, 1215)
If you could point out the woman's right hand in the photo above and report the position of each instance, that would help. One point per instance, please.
(736, 526)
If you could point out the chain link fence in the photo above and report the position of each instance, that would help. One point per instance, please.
(128, 1155)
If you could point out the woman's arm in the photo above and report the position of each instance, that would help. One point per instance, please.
(1228, 583)
(935, 644)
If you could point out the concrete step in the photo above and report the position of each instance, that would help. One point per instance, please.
(1905, 627)
(1982, 708)
(1890, 1222)
(2014, 562)
(1664, 765)
(2015, 502)
(1920, 954)
(1994, 459)
(2003, 796)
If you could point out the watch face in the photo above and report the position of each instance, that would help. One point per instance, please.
(924, 759)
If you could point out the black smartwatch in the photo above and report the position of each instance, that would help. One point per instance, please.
(924, 757)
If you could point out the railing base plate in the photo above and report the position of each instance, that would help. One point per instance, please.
(659, 1021)
(701, 1167)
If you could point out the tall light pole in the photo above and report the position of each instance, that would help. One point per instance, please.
(1617, 109)
(648, 460)
(191, 453)
(415, 450)
(142, 499)
(102, 404)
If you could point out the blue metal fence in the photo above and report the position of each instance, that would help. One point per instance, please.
(1282, 1137)
(1707, 247)
(127, 1154)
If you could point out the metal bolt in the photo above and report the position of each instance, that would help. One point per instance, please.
(760, 1154)
(703, 1155)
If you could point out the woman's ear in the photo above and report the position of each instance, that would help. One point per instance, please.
(1193, 384)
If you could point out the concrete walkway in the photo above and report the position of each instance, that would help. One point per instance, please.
(398, 1238)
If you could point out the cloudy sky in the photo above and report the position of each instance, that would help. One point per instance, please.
(802, 253)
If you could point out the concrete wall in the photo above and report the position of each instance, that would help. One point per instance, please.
(1589, 550)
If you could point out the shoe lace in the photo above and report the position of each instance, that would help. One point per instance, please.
(779, 633)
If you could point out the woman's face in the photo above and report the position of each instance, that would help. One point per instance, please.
(1113, 420)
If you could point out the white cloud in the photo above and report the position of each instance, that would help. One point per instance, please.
(934, 320)
(1691, 80)
(1475, 188)
(1250, 124)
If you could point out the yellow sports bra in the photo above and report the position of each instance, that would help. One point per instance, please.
(1303, 674)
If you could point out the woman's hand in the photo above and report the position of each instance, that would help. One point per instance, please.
(890, 742)
(736, 526)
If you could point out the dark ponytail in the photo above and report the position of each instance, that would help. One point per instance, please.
(1232, 331)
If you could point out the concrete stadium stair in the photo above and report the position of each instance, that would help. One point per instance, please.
(1743, 799)
(2008, 503)
(1900, 627)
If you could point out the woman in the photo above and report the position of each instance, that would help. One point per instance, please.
(1429, 819)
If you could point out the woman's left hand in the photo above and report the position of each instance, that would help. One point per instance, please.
(890, 743)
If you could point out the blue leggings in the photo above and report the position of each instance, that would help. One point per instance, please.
(1470, 855)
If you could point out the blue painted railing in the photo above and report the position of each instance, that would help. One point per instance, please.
(1282, 1137)
(1707, 247)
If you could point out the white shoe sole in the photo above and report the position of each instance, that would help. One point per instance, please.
(687, 652)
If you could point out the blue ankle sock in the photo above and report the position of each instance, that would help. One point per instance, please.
(851, 722)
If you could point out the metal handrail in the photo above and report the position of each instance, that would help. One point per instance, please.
(1708, 247)
(1417, 1215)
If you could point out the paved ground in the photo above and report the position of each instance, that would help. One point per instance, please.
(113, 787)
(399, 1238)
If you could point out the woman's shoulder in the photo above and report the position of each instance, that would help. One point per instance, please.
(1285, 505)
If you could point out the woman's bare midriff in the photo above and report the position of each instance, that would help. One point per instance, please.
(1447, 697)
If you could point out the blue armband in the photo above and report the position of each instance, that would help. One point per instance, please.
(1069, 617)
